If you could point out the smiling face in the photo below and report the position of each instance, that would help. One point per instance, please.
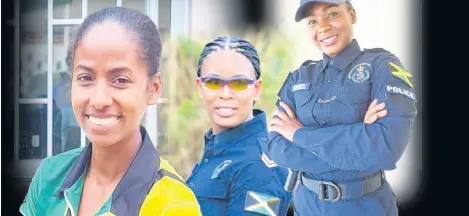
(110, 84)
(228, 107)
(330, 26)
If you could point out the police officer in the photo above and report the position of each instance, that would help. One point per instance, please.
(233, 177)
(318, 129)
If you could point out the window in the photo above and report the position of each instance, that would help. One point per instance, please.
(31, 112)
(65, 129)
(67, 9)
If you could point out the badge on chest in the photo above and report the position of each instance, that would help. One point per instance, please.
(360, 73)
(300, 87)
(220, 168)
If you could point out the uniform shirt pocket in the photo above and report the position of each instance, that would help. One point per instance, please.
(212, 197)
(304, 104)
(354, 93)
(354, 100)
(213, 190)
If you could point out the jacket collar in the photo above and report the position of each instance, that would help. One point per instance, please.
(135, 183)
(232, 136)
(344, 58)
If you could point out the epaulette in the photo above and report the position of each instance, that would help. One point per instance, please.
(375, 50)
(309, 62)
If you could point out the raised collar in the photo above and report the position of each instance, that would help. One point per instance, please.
(232, 136)
(135, 183)
(343, 59)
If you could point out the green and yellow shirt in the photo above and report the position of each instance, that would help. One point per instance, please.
(149, 187)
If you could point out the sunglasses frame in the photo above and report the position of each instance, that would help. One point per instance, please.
(225, 82)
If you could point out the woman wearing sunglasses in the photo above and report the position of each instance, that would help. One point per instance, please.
(233, 177)
(318, 129)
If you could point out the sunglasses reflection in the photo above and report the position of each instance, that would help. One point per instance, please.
(235, 83)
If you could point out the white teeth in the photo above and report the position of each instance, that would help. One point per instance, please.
(225, 110)
(102, 121)
(329, 39)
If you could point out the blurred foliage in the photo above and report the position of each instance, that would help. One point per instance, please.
(182, 115)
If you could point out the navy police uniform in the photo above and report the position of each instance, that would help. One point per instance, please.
(339, 158)
(235, 178)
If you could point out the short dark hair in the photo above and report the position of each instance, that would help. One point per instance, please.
(231, 43)
(143, 28)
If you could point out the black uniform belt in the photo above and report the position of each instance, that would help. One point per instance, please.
(330, 191)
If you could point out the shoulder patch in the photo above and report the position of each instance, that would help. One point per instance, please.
(220, 168)
(267, 161)
(401, 73)
(401, 91)
(262, 204)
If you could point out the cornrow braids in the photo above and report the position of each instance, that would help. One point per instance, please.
(231, 43)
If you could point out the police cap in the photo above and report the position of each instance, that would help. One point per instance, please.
(304, 6)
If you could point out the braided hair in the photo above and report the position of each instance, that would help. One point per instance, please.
(231, 43)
